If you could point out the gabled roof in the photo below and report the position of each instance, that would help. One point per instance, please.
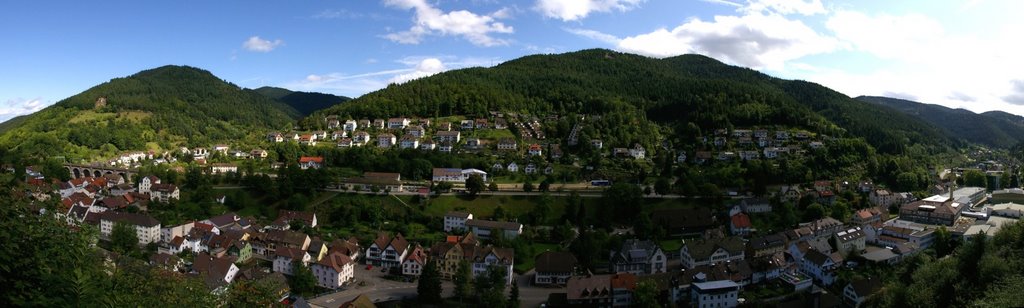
(817, 258)
(703, 249)
(556, 262)
(399, 243)
(865, 287)
(336, 261)
(309, 159)
(293, 254)
(741, 220)
(134, 219)
(348, 247)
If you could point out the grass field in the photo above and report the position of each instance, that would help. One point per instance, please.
(536, 249)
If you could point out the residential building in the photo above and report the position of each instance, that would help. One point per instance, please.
(414, 263)
(258, 154)
(386, 140)
(638, 257)
(348, 247)
(456, 175)
(415, 131)
(409, 142)
(350, 125)
(623, 285)
(766, 245)
(285, 258)
(592, 291)
(334, 270)
(448, 136)
(216, 272)
(146, 183)
(718, 293)
(554, 267)
(507, 144)
(850, 241)
(857, 291)
(637, 152)
(311, 162)
(821, 267)
(699, 252)
(222, 168)
(428, 145)
(285, 218)
(938, 210)
(485, 229)
(535, 150)
(360, 138)
(485, 259)
(398, 123)
(739, 224)
(169, 233)
(456, 221)
(386, 251)
(147, 229)
(164, 192)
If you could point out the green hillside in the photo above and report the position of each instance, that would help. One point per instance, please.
(994, 129)
(683, 93)
(158, 108)
(303, 102)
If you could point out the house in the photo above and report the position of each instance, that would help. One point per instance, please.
(348, 247)
(444, 126)
(350, 125)
(275, 137)
(484, 229)
(222, 148)
(882, 197)
(480, 123)
(398, 123)
(554, 267)
(766, 245)
(445, 147)
(345, 143)
(535, 150)
(466, 124)
(857, 291)
(285, 218)
(699, 252)
(512, 167)
(217, 272)
(285, 258)
(448, 136)
(377, 123)
(169, 233)
(311, 162)
(530, 168)
(507, 144)
(334, 270)
(414, 263)
(333, 122)
(850, 241)
(717, 293)
(474, 143)
(386, 251)
(500, 123)
(486, 259)
(450, 253)
(386, 140)
(497, 167)
(164, 192)
(456, 221)
(597, 143)
(739, 224)
(360, 138)
(223, 168)
(416, 131)
(258, 153)
(637, 151)
(320, 135)
(408, 142)
(147, 229)
(338, 134)
(755, 205)
(226, 221)
(720, 141)
(638, 257)
(821, 267)
(428, 145)
(456, 175)
(589, 291)
(307, 139)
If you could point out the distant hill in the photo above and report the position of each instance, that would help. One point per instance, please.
(683, 92)
(993, 128)
(158, 108)
(304, 102)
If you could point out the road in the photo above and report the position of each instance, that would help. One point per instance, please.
(378, 289)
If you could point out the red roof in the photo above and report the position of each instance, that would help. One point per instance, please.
(741, 220)
(306, 159)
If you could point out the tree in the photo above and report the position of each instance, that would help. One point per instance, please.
(54, 169)
(462, 278)
(662, 186)
(943, 242)
(493, 186)
(123, 239)
(527, 186)
(302, 280)
(429, 286)
(475, 184)
(646, 294)
(490, 287)
(250, 293)
(513, 296)
(545, 185)
(975, 178)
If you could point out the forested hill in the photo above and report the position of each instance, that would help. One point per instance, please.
(994, 128)
(676, 92)
(304, 102)
(159, 108)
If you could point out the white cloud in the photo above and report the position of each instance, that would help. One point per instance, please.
(887, 36)
(429, 20)
(337, 14)
(20, 106)
(1016, 95)
(785, 7)
(426, 67)
(257, 44)
(354, 85)
(595, 35)
(754, 40)
(570, 10)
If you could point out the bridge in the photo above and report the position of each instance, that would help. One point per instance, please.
(78, 171)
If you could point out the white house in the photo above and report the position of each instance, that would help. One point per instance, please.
(820, 266)
(535, 150)
(222, 168)
(456, 175)
(285, 257)
(638, 152)
(147, 229)
(491, 257)
(164, 192)
(512, 167)
(334, 270)
(638, 258)
(147, 182)
(695, 253)
(409, 142)
(718, 293)
(456, 220)
(484, 229)
(448, 136)
(350, 125)
(386, 251)
(398, 123)
(386, 140)
(413, 265)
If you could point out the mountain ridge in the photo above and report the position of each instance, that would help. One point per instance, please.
(992, 128)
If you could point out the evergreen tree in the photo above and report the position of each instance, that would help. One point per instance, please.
(463, 277)
(123, 238)
(646, 294)
(302, 280)
(429, 286)
(513, 296)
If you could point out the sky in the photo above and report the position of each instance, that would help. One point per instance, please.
(959, 54)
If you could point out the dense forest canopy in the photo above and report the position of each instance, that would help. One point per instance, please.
(993, 128)
(674, 91)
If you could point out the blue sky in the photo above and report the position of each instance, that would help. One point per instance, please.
(961, 54)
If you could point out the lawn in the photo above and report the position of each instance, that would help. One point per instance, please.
(670, 245)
